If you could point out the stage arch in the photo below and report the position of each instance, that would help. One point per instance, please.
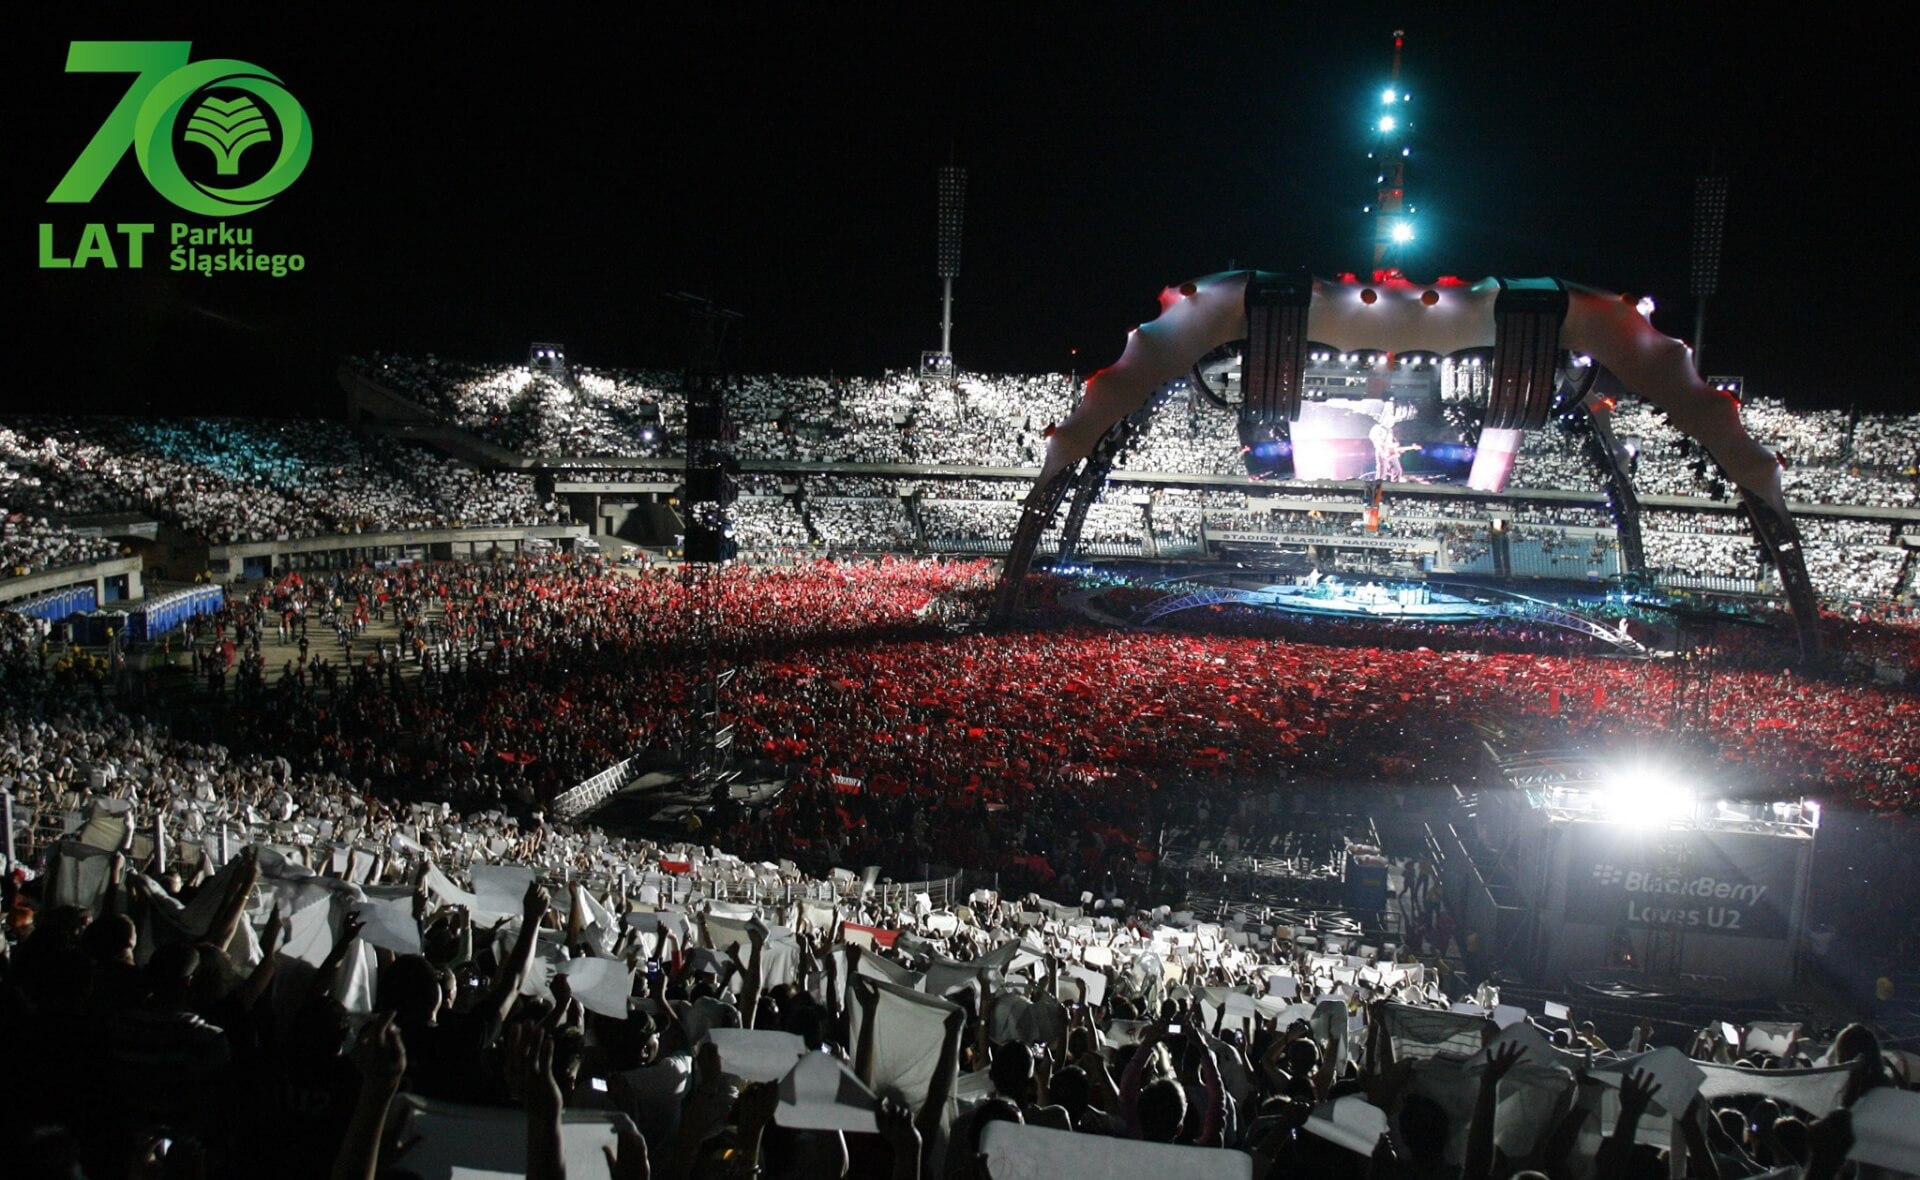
(1526, 328)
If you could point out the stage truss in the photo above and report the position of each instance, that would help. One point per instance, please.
(1533, 327)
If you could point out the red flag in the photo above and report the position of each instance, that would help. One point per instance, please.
(880, 937)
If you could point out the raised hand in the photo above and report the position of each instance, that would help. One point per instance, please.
(755, 1109)
(631, 1163)
(533, 906)
(529, 1069)
(379, 1053)
(1636, 1091)
(1385, 1087)
(273, 933)
(895, 1124)
(1501, 1062)
(711, 1097)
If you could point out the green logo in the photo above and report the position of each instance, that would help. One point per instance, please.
(226, 124)
(226, 128)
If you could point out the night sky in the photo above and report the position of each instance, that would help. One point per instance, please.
(480, 182)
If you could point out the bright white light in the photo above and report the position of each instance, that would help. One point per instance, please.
(1645, 795)
(1386, 123)
(1388, 95)
(1646, 306)
(1402, 232)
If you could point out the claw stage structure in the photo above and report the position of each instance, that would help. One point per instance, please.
(1533, 328)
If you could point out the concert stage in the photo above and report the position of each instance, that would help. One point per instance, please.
(1373, 600)
(1340, 598)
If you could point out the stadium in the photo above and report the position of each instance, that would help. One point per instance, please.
(1382, 723)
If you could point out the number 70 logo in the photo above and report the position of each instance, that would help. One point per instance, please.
(165, 84)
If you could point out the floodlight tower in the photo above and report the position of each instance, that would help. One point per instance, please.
(1392, 216)
(953, 202)
(1709, 228)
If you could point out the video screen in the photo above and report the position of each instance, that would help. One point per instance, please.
(1407, 419)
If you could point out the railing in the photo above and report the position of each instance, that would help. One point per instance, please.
(61, 577)
(1713, 582)
(884, 895)
(394, 539)
(578, 800)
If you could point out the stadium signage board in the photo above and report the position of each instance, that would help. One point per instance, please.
(1692, 882)
(1328, 540)
(218, 138)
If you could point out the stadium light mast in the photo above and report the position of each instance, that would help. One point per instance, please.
(953, 201)
(1709, 229)
(1393, 228)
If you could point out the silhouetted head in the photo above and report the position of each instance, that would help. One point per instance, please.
(1163, 1111)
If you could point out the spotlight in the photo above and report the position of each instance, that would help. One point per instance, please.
(1646, 795)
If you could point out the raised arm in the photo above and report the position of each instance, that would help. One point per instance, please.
(750, 991)
(271, 936)
(896, 1127)
(529, 1070)
(533, 909)
(1614, 1156)
(226, 922)
(329, 969)
(380, 1056)
(940, 1089)
(1479, 1158)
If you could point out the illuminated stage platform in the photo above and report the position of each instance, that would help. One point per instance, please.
(1372, 600)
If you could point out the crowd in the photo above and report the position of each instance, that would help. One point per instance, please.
(767, 525)
(534, 675)
(862, 524)
(1553, 457)
(1185, 440)
(30, 543)
(1175, 516)
(1544, 552)
(29, 540)
(1832, 457)
(230, 959)
(1854, 559)
(230, 480)
(1115, 520)
(897, 418)
(236, 936)
(955, 523)
(1829, 458)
